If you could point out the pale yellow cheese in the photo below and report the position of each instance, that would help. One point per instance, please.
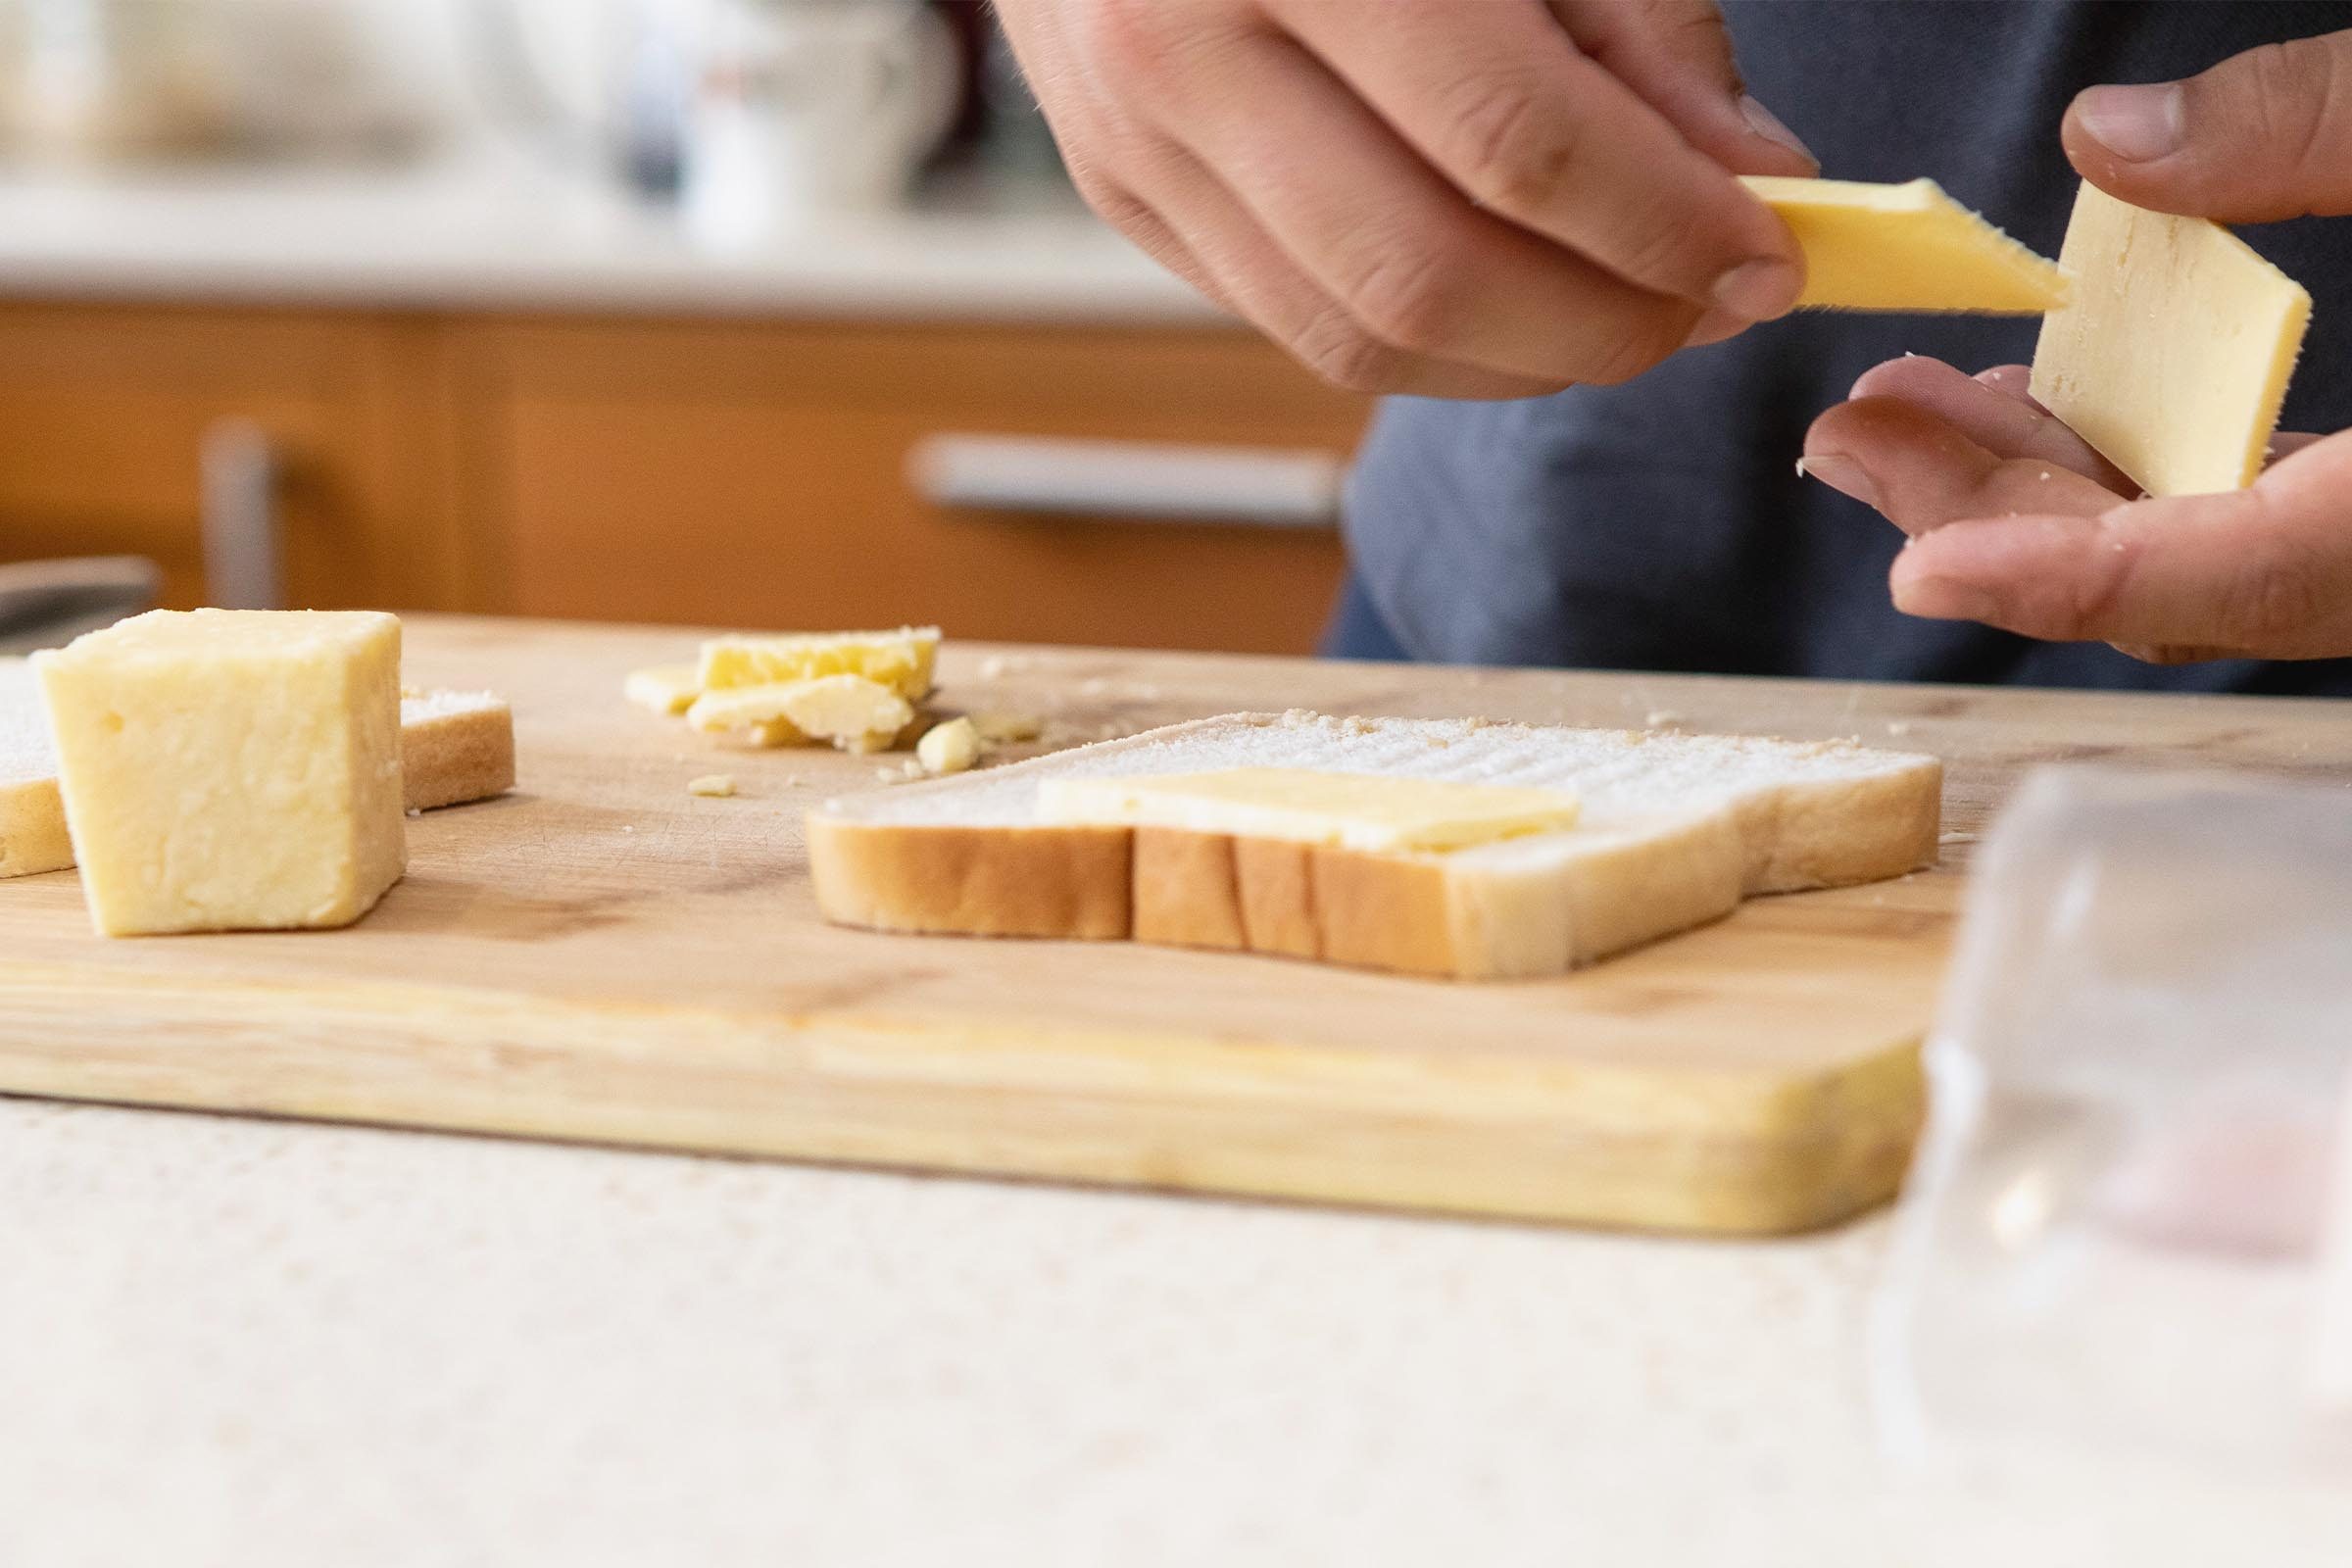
(900, 659)
(851, 711)
(949, 748)
(1348, 811)
(230, 770)
(667, 689)
(2175, 354)
(1906, 247)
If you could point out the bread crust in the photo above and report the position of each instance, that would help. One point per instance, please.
(1071, 883)
(451, 758)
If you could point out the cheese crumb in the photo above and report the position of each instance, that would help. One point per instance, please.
(1000, 728)
(717, 786)
(949, 748)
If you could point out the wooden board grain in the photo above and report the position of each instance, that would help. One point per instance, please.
(603, 957)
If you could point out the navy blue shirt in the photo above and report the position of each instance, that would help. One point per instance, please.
(1661, 524)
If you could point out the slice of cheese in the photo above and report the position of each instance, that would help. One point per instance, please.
(1371, 811)
(1906, 247)
(230, 770)
(900, 659)
(2173, 356)
(667, 689)
(33, 815)
(851, 711)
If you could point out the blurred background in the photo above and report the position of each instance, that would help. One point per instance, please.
(764, 313)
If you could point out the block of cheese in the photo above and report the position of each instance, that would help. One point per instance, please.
(1371, 811)
(900, 659)
(1906, 247)
(33, 815)
(854, 712)
(230, 770)
(455, 747)
(2173, 355)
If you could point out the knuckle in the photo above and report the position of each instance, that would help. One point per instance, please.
(1333, 346)
(2272, 598)
(1660, 240)
(1123, 37)
(1408, 296)
(1514, 152)
(1639, 346)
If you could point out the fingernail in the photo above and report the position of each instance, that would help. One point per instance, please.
(1757, 291)
(1945, 598)
(1767, 124)
(2138, 124)
(1842, 474)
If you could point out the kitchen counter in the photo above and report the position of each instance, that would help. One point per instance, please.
(252, 1342)
(509, 234)
(258, 1342)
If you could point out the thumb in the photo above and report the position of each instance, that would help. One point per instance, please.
(2262, 137)
(1676, 56)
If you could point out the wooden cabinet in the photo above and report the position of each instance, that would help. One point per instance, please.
(732, 471)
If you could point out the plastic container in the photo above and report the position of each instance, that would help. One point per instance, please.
(2131, 1222)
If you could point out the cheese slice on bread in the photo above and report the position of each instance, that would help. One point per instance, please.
(1670, 831)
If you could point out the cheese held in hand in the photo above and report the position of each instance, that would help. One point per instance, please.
(231, 769)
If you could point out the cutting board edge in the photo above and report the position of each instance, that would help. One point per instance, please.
(1754, 1154)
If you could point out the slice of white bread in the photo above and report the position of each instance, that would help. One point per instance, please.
(33, 814)
(454, 746)
(1675, 830)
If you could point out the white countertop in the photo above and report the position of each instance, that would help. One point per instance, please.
(243, 1343)
(509, 234)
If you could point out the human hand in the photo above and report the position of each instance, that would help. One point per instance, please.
(1490, 200)
(2014, 522)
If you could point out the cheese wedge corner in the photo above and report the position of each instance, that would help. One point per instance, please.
(1907, 247)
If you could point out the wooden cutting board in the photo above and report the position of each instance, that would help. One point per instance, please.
(603, 956)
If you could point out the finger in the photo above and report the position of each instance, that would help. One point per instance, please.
(1379, 232)
(1503, 105)
(2264, 135)
(2264, 571)
(1992, 410)
(1923, 472)
(1229, 259)
(1676, 54)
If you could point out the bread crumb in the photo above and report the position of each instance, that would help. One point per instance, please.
(415, 811)
(949, 748)
(717, 786)
(1665, 719)
(2044, 475)
(1801, 468)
